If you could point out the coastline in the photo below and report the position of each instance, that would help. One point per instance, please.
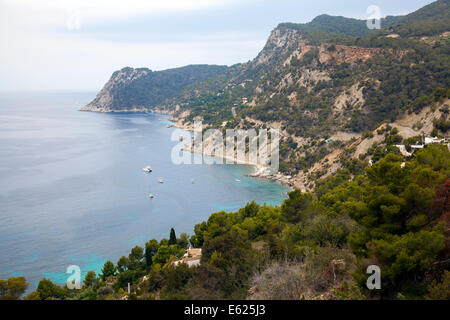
(259, 171)
(130, 110)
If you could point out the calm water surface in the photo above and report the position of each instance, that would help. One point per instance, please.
(72, 189)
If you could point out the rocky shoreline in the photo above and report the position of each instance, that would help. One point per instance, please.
(263, 173)
(90, 108)
(260, 171)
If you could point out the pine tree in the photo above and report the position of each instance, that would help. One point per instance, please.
(108, 270)
(151, 248)
(91, 279)
(172, 238)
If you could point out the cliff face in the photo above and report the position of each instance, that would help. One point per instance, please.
(107, 99)
(142, 89)
(306, 85)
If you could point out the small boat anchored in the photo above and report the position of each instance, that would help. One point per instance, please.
(148, 169)
(151, 196)
(160, 181)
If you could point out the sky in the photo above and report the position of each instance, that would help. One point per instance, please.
(75, 45)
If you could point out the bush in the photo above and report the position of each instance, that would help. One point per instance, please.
(440, 290)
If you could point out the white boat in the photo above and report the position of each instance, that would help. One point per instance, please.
(151, 196)
(148, 169)
(237, 180)
(160, 181)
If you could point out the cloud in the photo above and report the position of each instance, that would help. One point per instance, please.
(150, 5)
(60, 63)
(39, 53)
(77, 44)
(111, 9)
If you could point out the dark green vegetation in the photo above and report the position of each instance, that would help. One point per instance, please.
(13, 288)
(394, 215)
(325, 27)
(430, 20)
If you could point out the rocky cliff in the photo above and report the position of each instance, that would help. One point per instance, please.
(142, 89)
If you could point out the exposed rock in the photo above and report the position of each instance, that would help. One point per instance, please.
(346, 54)
(353, 97)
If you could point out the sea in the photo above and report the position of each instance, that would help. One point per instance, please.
(73, 192)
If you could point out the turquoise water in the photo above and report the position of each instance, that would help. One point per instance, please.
(72, 189)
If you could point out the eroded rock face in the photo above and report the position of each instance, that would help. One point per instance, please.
(105, 99)
(346, 54)
(283, 41)
(279, 42)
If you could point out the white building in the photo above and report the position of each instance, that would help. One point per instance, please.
(192, 258)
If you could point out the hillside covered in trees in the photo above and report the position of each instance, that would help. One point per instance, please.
(314, 246)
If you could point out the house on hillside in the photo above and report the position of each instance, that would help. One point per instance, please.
(192, 258)
(434, 140)
(425, 142)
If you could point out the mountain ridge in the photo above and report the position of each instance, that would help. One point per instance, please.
(320, 30)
